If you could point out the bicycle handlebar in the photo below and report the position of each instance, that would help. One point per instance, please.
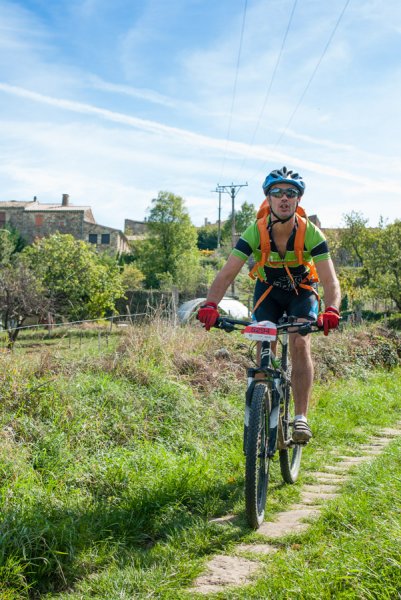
(229, 324)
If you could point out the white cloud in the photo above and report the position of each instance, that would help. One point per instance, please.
(72, 126)
(194, 139)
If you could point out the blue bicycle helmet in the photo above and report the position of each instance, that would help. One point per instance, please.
(283, 176)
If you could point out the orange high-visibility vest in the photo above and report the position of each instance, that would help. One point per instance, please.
(301, 220)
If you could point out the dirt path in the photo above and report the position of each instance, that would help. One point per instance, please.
(239, 568)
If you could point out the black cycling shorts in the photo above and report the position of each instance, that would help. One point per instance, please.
(304, 304)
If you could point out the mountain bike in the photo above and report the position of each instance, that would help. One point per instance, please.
(269, 410)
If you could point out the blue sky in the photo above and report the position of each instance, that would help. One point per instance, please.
(113, 101)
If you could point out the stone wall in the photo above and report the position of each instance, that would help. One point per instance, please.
(106, 237)
(15, 218)
(46, 223)
(40, 224)
(135, 227)
(43, 223)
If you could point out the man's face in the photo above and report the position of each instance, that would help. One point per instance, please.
(283, 207)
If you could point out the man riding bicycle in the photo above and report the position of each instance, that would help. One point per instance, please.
(291, 256)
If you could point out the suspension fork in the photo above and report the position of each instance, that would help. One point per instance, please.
(264, 368)
(279, 419)
(273, 421)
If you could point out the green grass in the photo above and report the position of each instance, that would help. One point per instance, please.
(351, 552)
(112, 465)
(83, 338)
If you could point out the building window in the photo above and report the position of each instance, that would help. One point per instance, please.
(93, 238)
(2, 219)
(38, 220)
(105, 238)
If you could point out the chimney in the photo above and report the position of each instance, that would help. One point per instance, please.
(66, 200)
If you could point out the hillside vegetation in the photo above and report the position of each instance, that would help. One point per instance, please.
(113, 463)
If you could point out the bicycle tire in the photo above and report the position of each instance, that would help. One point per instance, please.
(290, 458)
(257, 463)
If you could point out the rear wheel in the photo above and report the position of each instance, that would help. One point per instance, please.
(257, 462)
(290, 457)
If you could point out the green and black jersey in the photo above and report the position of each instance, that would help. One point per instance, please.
(315, 250)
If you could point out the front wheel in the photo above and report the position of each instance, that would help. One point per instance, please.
(290, 456)
(257, 461)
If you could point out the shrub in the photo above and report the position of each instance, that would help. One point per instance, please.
(394, 321)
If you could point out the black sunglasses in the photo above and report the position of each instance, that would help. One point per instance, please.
(279, 193)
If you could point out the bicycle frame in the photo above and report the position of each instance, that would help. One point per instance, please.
(267, 412)
(275, 377)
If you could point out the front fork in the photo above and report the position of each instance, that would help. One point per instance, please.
(275, 433)
(270, 377)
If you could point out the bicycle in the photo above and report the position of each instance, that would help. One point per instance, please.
(268, 411)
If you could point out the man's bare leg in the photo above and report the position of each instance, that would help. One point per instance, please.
(302, 372)
(301, 380)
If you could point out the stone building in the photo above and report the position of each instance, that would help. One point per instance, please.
(35, 220)
(315, 220)
(135, 228)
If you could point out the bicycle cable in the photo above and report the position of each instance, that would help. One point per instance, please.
(251, 353)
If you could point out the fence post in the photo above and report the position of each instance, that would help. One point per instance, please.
(174, 303)
(129, 315)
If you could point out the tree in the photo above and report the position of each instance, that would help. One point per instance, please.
(10, 243)
(132, 277)
(6, 247)
(376, 256)
(21, 295)
(354, 275)
(80, 283)
(357, 239)
(383, 263)
(170, 252)
(243, 218)
(207, 237)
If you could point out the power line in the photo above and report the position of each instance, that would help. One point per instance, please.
(235, 86)
(310, 78)
(313, 74)
(268, 92)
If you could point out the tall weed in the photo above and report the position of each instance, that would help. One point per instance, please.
(111, 463)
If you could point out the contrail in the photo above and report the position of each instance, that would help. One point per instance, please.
(235, 148)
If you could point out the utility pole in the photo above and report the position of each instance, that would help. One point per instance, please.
(219, 218)
(233, 190)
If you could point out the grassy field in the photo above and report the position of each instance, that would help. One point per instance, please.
(85, 336)
(352, 551)
(112, 462)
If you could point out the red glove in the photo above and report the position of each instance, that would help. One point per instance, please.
(208, 314)
(329, 319)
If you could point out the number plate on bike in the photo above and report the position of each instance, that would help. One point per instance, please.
(264, 331)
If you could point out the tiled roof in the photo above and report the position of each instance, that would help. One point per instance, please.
(14, 204)
(36, 206)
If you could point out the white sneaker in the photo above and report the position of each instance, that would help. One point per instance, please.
(301, 433)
